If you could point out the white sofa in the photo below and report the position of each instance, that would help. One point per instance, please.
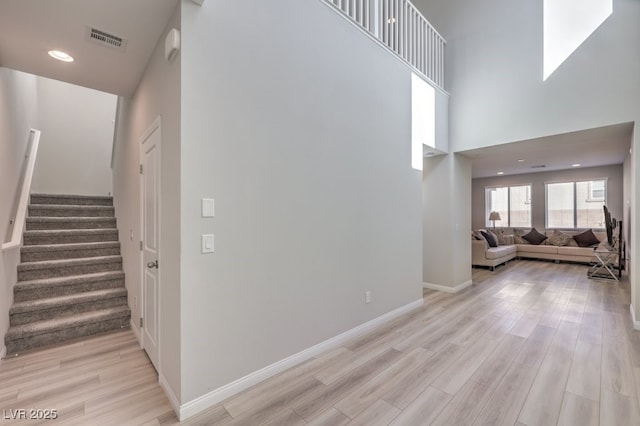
(483, 255)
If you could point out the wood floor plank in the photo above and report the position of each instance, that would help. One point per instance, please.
(465, 406)
(424, 409)
(381, 413)
(618, 410)
(369, 392)
(584, 377)
(330, 417)
(509, 396)
(577, 410)
(617, 372)
(459, 372)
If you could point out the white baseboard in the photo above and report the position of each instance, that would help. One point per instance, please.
(136, 331)
(448, 289)
(636, 323)
(173, 400)
(216, 396)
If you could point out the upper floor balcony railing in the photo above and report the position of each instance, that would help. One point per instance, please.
(398, 25)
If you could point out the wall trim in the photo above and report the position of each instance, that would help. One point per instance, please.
(173, 400)
(635, 322)
(136, 332)
(212, 398)
(446, 289)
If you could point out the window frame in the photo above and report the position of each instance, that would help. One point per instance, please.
(488, 209)
(575, 200)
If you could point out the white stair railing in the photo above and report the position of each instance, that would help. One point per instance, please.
(399, 26)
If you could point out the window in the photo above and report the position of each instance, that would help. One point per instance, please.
(576, 204)
(512, 202)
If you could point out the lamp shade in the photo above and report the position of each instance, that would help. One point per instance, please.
(494, 216)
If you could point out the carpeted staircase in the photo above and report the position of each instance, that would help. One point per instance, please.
(70, 279)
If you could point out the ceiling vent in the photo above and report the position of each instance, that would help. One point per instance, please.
(105, 39)
(539, 166)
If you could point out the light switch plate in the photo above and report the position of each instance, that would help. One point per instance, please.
(207, 243)
(208, 207)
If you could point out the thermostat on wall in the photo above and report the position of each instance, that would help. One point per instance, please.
(171, 44)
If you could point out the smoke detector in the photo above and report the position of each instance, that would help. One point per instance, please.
(105, 39)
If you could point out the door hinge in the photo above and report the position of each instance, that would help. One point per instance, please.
(141, 246)
(140, 168)
(141, 322)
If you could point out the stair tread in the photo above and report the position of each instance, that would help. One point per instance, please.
(44, 264)
(46, 326)
(70, 218)
(69, 246)
(71, 231)
(86, 197)
(71, 299)
(70, 279)
(71, 206)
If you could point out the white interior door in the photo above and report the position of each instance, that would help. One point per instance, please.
(150, 160)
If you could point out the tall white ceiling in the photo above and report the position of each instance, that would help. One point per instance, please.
(589, 148)
(30, 28)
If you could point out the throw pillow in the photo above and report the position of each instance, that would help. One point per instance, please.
(495, 236)
(534, 237)
(586, 239)
(559, 239)
(490, 239)
(478, 234)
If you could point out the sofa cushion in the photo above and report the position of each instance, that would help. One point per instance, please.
(559, 239)
(586, 239)
(499, 252)
(491, 238)
(534, 237)
(575, 251)
(530, 248)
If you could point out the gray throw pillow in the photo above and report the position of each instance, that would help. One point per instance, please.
(586, 239)
(559, 239)
(534, 237)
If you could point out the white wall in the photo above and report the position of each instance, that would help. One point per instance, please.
(76, 142)
(158, 94)
(299, 127)
(446, 201)
(18, 114)
(615, 188)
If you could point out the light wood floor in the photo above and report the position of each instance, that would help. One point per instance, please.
(533, 343)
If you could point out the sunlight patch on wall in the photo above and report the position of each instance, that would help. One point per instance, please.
(567, 24)
(423, 119)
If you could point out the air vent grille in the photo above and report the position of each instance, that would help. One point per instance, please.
(539, 166)
(105, 39)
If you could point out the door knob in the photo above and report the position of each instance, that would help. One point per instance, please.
(152, 265)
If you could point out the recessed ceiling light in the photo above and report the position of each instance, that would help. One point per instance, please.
(520, 160)
(60, 55)
(576, 165)
(500, 173)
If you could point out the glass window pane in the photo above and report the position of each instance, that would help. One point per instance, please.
(560, 205)
(590, 197)
(520, 206)
(497, 201)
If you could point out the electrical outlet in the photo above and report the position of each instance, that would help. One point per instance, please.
(367, 297)
(135, 302)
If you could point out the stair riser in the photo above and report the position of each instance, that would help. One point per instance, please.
(42, 293)
(68, 254)
(64, 271)
(50, 225)
(61, 311)
(80, 201)
(30, 240)
(70, 212)
(30, 342)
